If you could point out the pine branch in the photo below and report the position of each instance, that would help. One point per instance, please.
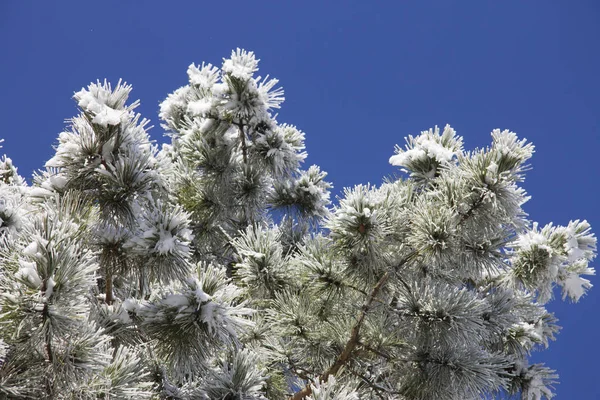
(351, 344)
(375, 351)
(478, 203)
(243, 139)
(108, 299)
(378, 389)
(48, 344)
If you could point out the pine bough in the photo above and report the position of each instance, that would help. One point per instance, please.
(215, 268)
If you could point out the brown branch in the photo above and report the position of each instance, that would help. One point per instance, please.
(45, 319)
(108, 270)
(478, 203)
(354, 338)
(47, 341)
(375, 351)
(350, 345)
(243, 139)
(108, 298)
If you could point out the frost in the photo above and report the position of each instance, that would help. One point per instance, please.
(508, 144)
(28, 272)
(402, 159)
(161, 231)
(241, 65)
(330, 390)
(530, 333)
(3, 351)
(491, 175)
(201, 296)
(439, 269)
(269, 97)
(31, 249)
(174, 102)
(131, 305)
(538, 390)
(108, 116)
(208, 315)
(122, 314)
(58, 181)
(253, 254)
(580, 242)
(204, 77)
(110, 234)
(95, 99)
(537, 382)
(430, 145)
(575, 286)
(572, 248)
(532, 239)
(49, 288)
(199, 107)
(436, 150)
(166, 243)
(176, 300)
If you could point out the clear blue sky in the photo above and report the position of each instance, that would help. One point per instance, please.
(358, 77)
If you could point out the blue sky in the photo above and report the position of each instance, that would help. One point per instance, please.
(358, 76)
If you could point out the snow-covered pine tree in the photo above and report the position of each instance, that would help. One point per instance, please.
(215, 269)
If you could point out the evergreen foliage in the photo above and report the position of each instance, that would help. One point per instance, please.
(216, 268)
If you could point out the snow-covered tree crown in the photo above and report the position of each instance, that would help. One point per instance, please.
(216, 268)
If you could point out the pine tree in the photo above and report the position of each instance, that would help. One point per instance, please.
(216, 268)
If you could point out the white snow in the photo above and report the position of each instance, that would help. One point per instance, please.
(507, 143)
(537, 389)
(176, 300)
(176, 100)
(403, 158)
(28, 272)
(31, 249)
(201, 296)
(3, 350)
(436, 150)
(49, 287)
(131, 305)
(271, 98)
(424, 147)
(572, 245)
(199, 107)
(532, 239)
(252, 254)
(330, 390)
(491, 175)
(122, 314)
(96, 104)
(575, 286)
(242, 64)
(166, 243)
(204, 77)
(207, 314)
(108, 116)
(534, 331)
(40, 192)
(58, 181)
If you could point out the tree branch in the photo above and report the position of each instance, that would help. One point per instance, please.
(243, 139)
(47, 342)
(354, 334)
(378, 389)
